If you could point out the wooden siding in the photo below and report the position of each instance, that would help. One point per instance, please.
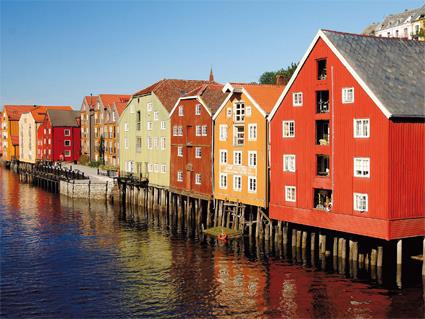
(189, 164)
(342, 149)
(259, 198)
(407, 169)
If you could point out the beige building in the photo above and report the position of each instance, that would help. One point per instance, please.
(28, 127)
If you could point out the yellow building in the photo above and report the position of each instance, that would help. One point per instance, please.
(240, 143)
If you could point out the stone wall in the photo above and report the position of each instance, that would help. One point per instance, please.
(87, 189)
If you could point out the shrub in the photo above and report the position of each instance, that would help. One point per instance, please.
(84, 159)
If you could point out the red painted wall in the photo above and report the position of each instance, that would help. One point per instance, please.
(190, 141)
(342, 150)
(57, 147)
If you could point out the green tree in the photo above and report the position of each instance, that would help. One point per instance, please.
(102, 150)
(269, 77)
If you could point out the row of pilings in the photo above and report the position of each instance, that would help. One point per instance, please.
(356, 257)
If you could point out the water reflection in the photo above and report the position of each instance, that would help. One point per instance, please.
(73, 259)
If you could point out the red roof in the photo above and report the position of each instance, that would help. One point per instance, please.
(109, 99)
(266, 95)
(169, 90)
(14, 112)
(40, 111)
(120, 107)
(90, 100)
(211, 93)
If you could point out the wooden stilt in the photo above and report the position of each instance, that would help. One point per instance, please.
(399, 262)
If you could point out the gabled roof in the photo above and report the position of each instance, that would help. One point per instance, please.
(262, 96)
(14, 112)
(109, 99)
(210, 95)
(89, 100)
(169, 90)
(65, 118)
(40, 111)
(120, 106)
(390, 70)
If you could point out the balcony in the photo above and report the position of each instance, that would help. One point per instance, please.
(322, 132)
(323, 199)
(322, 101)
(322, 165)
(239, 135)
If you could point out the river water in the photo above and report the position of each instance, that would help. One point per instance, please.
(73, 259)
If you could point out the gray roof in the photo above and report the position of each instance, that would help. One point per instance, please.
(63, 117)
(394, 69)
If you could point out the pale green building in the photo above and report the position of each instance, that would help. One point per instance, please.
(144, 129)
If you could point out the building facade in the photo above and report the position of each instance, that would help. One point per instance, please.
(342, 136)
(59, 136)
(191, 126)
(144, 128)
(87, 126)
(240, 143)
(409, 24)
(10, 130)
(28, 127)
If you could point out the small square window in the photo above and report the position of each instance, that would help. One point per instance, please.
(248, 111)
(360, 202)
(288, 128)
(149, 107)
(229, 112)
(289, 163)
(67, 153)
(361, 167)
(67, 132)
(180, 176)
(297, 99)
(290, 193)
(361, 128)
(67, 142)
(347, 95)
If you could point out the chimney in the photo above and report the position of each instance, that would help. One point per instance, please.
(280, 79)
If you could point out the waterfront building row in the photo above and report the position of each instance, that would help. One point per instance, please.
(340, 147)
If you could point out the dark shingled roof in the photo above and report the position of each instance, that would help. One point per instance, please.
(63, 118)
(394, 69)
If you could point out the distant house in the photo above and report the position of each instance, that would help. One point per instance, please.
(10, 130)
(28, 128)
(240, 143)
(87, 126)
(59, 136)
(409, 24)
(192, 141)
(144, 128)
(347, 138)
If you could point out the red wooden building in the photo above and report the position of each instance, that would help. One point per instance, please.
(59, 136)
(192, 140)
(348, 137)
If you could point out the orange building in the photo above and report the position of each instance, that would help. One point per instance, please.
(10, 130)
(240, 143)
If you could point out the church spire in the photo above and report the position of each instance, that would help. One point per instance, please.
(211, 75)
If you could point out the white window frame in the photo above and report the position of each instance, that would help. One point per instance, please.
(253, 127)
(198, 130)
(204, 130)
(250, 179)
(163, 168)
(297, 99)
(67, 132)
(163, 125)
(149, 126)
(163, 143)
(149, 143)
(125, 127)
(149, 107)
(198, 109)
(67, 141)
(248, 111)
(345, 95)
(223, 156)
(155, 116)
(239, 188)
(223, 178)
(288, 193)
(356, 204)
(180, 151)
(223, 132)
(362, 125)
(180, 130)
(150, 167)
(289, 159)
(229, 112)
(236, 155)
(288, 123)
(156, 168)
(198, 179)
(252, 156)
(181, 110)
(198, 152)
(180, 176)
(67, 153)
(126, 143)
(361, 167)
(239, 107)
(175, 130)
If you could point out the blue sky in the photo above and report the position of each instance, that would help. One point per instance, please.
(55, 52)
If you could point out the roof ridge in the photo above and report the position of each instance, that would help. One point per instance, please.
(369, 36)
